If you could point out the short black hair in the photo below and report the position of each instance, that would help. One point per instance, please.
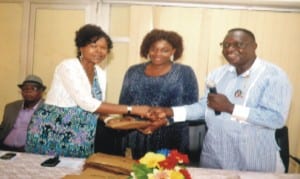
(248, 32)
(157, 34)
(90, 33)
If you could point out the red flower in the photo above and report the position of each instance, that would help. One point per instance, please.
(185, 173)
(168, 163)
(181, 158)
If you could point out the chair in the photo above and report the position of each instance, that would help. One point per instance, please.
(197, 130)
(297, 160)
(282, 139)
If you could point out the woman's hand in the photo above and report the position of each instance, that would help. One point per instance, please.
(141, 111)
(118, 120)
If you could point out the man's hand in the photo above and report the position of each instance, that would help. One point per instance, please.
(219, 102)
(158, 113)
(154, 126)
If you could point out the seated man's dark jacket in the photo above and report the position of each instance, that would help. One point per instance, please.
(11, 112)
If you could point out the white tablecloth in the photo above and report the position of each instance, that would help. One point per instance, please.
(202, 173)
(26, 165)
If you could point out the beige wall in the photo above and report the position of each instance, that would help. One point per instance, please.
(46, 35)
(54, 39)
(10, 35)
(49, 37)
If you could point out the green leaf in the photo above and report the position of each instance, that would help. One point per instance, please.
(141, 171)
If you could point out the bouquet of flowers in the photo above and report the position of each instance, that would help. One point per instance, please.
(164, 164)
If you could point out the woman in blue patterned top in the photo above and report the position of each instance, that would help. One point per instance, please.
(158, 82)
(66, 123)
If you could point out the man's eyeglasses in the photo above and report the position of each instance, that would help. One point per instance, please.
(30, 88)
(236, 45)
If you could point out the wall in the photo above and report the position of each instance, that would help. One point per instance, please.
(10, 35)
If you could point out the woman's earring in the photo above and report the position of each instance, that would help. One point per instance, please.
(148, 57)
(172, 58)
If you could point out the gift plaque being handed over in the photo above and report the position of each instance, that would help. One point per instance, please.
(125, 122)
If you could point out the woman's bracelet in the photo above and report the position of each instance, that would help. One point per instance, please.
(107, 119)
(129, 110)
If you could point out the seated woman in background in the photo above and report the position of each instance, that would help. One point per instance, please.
(66, 123)
(158, 82)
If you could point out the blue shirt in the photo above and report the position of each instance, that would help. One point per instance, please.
(245, 139)
(177, 87)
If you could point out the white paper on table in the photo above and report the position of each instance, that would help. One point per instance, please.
(71, 163)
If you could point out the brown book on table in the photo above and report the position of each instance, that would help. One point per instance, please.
(100, 165)
(110, 163)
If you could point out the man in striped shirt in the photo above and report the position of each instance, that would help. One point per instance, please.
(253, 97)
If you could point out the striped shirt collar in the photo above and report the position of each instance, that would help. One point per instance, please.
(254, 67)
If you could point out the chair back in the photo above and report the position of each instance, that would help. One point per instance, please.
(197, 130)
(282, 139)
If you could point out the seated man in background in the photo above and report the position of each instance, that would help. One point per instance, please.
(17, 114)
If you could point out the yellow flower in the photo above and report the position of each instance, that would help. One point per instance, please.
(176, 175)
(151, 159)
